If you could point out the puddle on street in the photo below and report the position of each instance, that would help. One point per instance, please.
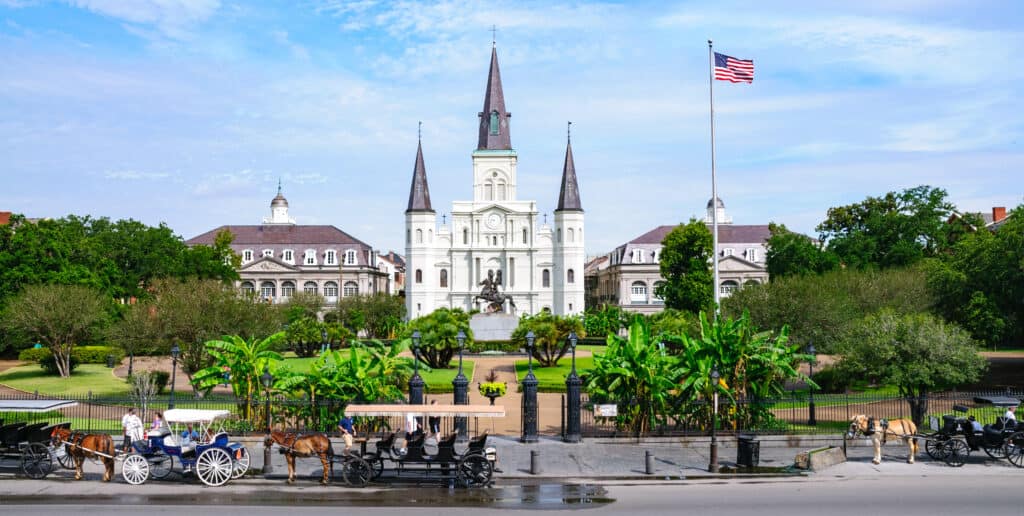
(760, 470)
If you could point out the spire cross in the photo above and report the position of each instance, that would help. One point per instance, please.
(568, 132)
(444, 218)
(419, 131)
(279, 186)
(545, 218)
(494, 35)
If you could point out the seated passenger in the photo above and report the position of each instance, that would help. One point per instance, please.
(189, 437)
(975, 425)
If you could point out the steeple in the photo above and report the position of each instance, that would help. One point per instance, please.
(494, 120)
(419, 192)
(569, 196)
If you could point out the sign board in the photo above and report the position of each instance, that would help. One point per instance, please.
(606, 410)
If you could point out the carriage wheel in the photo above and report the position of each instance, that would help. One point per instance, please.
(474, 471)
(956, 452)
(376, 464)
(357, 472)
(214, 467)
(933, 445)
(36, 461)
(160, 466)
(241, 464)
(135, 469)
(996, 451)
(60, 452)
(1014, 449)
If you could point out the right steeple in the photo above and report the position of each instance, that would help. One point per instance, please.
(419, 193)
(494, 120)
(569, 196)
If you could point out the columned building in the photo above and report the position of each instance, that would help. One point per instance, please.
(629, 275)
(541, 265)
(280, 258)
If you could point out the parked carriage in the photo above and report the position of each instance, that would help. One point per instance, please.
(28, 444)
(956, 438)
(473, 467)
(213, 458)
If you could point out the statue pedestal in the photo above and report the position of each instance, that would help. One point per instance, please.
(497, 326)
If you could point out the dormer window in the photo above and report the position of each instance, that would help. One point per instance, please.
(268, 253)
(752, 254)
(331, 257)
(310, 257)
(638, 256)
(247, 255)
(288, 256)
(728, 251)
(494, 123)
(350, 257)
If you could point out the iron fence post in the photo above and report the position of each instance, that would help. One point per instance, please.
(529, 397)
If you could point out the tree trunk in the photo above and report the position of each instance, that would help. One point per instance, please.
(918, 406)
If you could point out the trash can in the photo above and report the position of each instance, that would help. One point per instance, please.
(748, 451)
(110, 361)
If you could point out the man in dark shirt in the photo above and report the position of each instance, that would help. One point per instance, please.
(348, 431)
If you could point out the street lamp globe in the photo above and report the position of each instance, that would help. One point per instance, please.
(175, 351)
(266, 378)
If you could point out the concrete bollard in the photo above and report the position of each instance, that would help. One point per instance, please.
(648, 462)
(534, 462)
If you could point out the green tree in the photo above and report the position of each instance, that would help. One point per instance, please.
(685, 254)
(551, 335)
(305, 336)
(895, 230)
(438, 332)
(377, 315)
(609, 319)
(918, 353)
(795, 254)
(137, 330)
(245, 360)
(58, 316)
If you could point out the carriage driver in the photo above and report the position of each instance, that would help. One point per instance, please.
(348, 431)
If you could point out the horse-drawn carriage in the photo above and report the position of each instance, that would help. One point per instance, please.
(28, 444)
(473, 467)
(953, 441)
(213, 457)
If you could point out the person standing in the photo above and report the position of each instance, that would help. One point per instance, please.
(1011, 415)
(348, 432)
(132, 426)
(434, 422)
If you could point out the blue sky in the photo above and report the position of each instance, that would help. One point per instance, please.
(189, 111)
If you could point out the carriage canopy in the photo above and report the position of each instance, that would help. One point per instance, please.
(426, 410)
(35, 405)
(194, 415)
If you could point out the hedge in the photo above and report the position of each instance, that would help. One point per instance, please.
(81, 354)
(506, 346)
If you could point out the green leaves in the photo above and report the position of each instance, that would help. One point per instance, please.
(438, 335)
(551, 335)
(686, 255)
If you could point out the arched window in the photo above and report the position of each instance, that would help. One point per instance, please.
(559, 235)
(728, 287)
(350, 289)
(309, 287)
(494, 241)
(248, 287)
(287, 289)
(465, 236)
(330, 289)
(494, 122)
(638, 293)
(572, 235)
(419, 236)
(444, 278)
(408, 236)
(545, 278)
(268, 253)
(526, 236)
(267, 290)
(419, 276)
(350, 257)
(570, 276)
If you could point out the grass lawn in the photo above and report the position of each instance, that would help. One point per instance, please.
(95, 378)
(440, 380)
(552, 379)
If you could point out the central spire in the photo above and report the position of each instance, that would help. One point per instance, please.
(494, 120)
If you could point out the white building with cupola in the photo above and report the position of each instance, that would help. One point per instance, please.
(540, 263)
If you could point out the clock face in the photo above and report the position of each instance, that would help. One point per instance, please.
(493, 221)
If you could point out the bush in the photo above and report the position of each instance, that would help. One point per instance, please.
(49, 364)
(97, 354)
(506, 346)
(830, 381)
(494, 388)
(161, 378)
(35, 355)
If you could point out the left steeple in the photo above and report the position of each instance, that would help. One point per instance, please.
(419, 192)
(494, 119)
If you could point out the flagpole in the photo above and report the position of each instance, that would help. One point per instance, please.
(714, 187)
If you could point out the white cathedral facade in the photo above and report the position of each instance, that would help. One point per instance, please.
(541, 266)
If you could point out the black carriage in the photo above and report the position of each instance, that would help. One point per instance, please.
(27, 445)
(473, 467)
(959, 435)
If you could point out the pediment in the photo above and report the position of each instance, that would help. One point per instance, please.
(735, 263)
(268, 264)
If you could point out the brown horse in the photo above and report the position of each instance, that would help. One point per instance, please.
(879, 430)
(80, 446)
(298, 445)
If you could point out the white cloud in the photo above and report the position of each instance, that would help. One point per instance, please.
(242, 183)
(172, 18)
(133, 175)
(298, 51)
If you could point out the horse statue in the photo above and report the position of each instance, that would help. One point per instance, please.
(495, 299)
(80, 446)
(298, 445)
(878, 430)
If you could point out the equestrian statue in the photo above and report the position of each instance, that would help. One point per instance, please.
(495, 299)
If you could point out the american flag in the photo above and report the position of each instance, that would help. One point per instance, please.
(730, 69)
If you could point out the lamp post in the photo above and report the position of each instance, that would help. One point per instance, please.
(572, 390)
(323, 340)
(175, 351)
(529, 396)
(267, 380)
(713, 459)
(416, 382)
(811, 420)
(461, 386)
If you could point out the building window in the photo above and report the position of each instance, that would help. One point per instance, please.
(247, 255)
(728, 287)
(638, 256)
(752, 254)
(559, 235)
(310, 257)
(309, 287)
(350, 257)
(728, 251)
(656, 255)
(572, 235)
(488, 191)
(570, 277)
(419, 276)
(526, 236)
(267, 290)
(545, 278)
(444, 278)
(268, 253)
(288, 256)
(351, 289)
(419, 236)
(408, 236)
(248, 288)
(330, 289)
(465, 236)
(638, 293)
(287, 289)
(501, 190)
(331, 257)
(494, 122)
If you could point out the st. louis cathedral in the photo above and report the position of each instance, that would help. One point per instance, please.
(494, 238)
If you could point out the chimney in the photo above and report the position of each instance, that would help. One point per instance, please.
(998, 213)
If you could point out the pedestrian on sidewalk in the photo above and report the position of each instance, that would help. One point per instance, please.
(132, 426)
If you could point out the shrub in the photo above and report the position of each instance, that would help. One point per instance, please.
(49, 364)
(829, 381)
(506, 346)
(493, 388)
(34, 355)
(161, 378)
(97, 354)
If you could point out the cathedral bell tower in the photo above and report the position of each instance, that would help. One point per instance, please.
(494, 160)
(420, 223)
